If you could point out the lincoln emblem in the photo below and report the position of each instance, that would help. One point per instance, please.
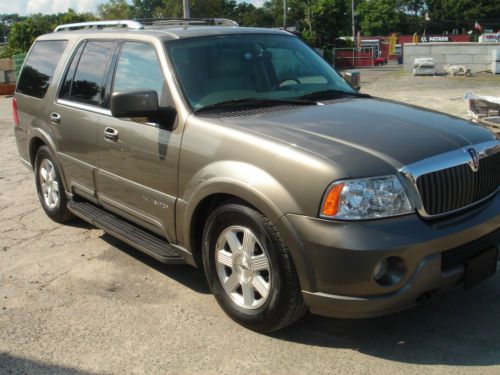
(474, 163)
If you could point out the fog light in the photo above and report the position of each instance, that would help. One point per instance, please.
(380, 270)
(389, 271)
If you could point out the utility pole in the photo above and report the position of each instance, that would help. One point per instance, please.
(353, 25)
(285, 11)
(185, 5)
(4, 31)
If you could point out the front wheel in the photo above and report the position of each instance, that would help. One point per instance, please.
(249, 269)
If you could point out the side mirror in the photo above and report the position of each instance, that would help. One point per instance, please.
(141, 103)
(353, 78)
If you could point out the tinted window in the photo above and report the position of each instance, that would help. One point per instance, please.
(70, 74)
(88, 83)
(138, 68)
(39, 67)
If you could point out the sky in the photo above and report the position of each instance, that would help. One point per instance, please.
(25, 7)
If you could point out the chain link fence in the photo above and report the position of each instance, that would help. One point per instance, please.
(18, 63)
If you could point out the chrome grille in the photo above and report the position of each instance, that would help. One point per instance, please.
(453, 188)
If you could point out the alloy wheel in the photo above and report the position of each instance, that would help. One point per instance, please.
(243, 267)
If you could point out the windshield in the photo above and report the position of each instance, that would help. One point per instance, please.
(220, 69)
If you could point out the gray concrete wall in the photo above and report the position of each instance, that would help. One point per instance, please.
(476, 56)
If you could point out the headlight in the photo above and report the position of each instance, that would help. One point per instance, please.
(368, 198)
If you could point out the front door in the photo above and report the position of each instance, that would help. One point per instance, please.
(137, 175)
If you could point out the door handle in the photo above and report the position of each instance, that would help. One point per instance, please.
(55, 118)
(110, 135)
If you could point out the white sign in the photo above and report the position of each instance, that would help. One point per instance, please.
(490, 38)
(430, 39)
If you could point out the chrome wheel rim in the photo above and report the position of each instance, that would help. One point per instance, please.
(243, 267)
(48, 184)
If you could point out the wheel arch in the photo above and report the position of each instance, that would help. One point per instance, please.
(215, 194)
(39, 138)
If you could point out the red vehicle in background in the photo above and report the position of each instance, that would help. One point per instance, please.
(379, 61)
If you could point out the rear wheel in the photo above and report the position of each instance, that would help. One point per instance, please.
(49, 186)
(249, 269)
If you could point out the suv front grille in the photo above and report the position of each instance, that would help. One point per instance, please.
(457, 187)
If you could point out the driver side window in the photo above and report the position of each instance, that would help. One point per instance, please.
(138, 68)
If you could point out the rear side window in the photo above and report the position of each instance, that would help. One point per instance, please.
(70, 74)
(85, 84)
(39, 67)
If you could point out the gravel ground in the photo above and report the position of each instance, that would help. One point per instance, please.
(440, 93)
(73, 300)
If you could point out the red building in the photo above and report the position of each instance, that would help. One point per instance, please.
(382, 43)
(373, 47)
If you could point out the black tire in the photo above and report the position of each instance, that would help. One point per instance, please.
(59, 213)
(284, 304)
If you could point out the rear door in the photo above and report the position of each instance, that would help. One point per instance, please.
(137, 175)
(75, 113)
(35, 88)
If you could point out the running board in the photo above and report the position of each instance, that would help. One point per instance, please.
(126, 232)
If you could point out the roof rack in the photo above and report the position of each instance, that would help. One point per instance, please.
(187, 22)
(127, 24)
(138, 24)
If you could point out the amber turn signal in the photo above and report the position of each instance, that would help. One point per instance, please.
(331, 202)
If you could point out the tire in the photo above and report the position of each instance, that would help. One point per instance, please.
(260, 294)
(50, 188)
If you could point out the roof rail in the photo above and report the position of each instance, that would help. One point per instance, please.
(187, 22)
(128, 24)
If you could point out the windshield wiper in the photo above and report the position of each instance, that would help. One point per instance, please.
(256, 102)
(331, 94)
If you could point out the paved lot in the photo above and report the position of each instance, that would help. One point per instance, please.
(75, 301)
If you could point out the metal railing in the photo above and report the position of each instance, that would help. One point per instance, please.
(354, 57)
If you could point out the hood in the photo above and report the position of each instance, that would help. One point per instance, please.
(366, 136)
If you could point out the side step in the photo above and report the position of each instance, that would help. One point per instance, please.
(127, 232)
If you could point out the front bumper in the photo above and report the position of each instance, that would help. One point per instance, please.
(341, 258)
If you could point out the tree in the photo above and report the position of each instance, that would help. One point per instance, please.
(115, 10)
(379, 17)
(458, 14)
(256, 17)
(147, 8)
(25, 31)
(411, 14)
(71, 16)
(23, 34)
(321, 21)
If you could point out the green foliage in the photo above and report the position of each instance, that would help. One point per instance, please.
(71, 16)
(22, 34)
(25, 31)
(449, 14)
(148, 8)
(379, 17)
(320, 22)
(115, 10)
